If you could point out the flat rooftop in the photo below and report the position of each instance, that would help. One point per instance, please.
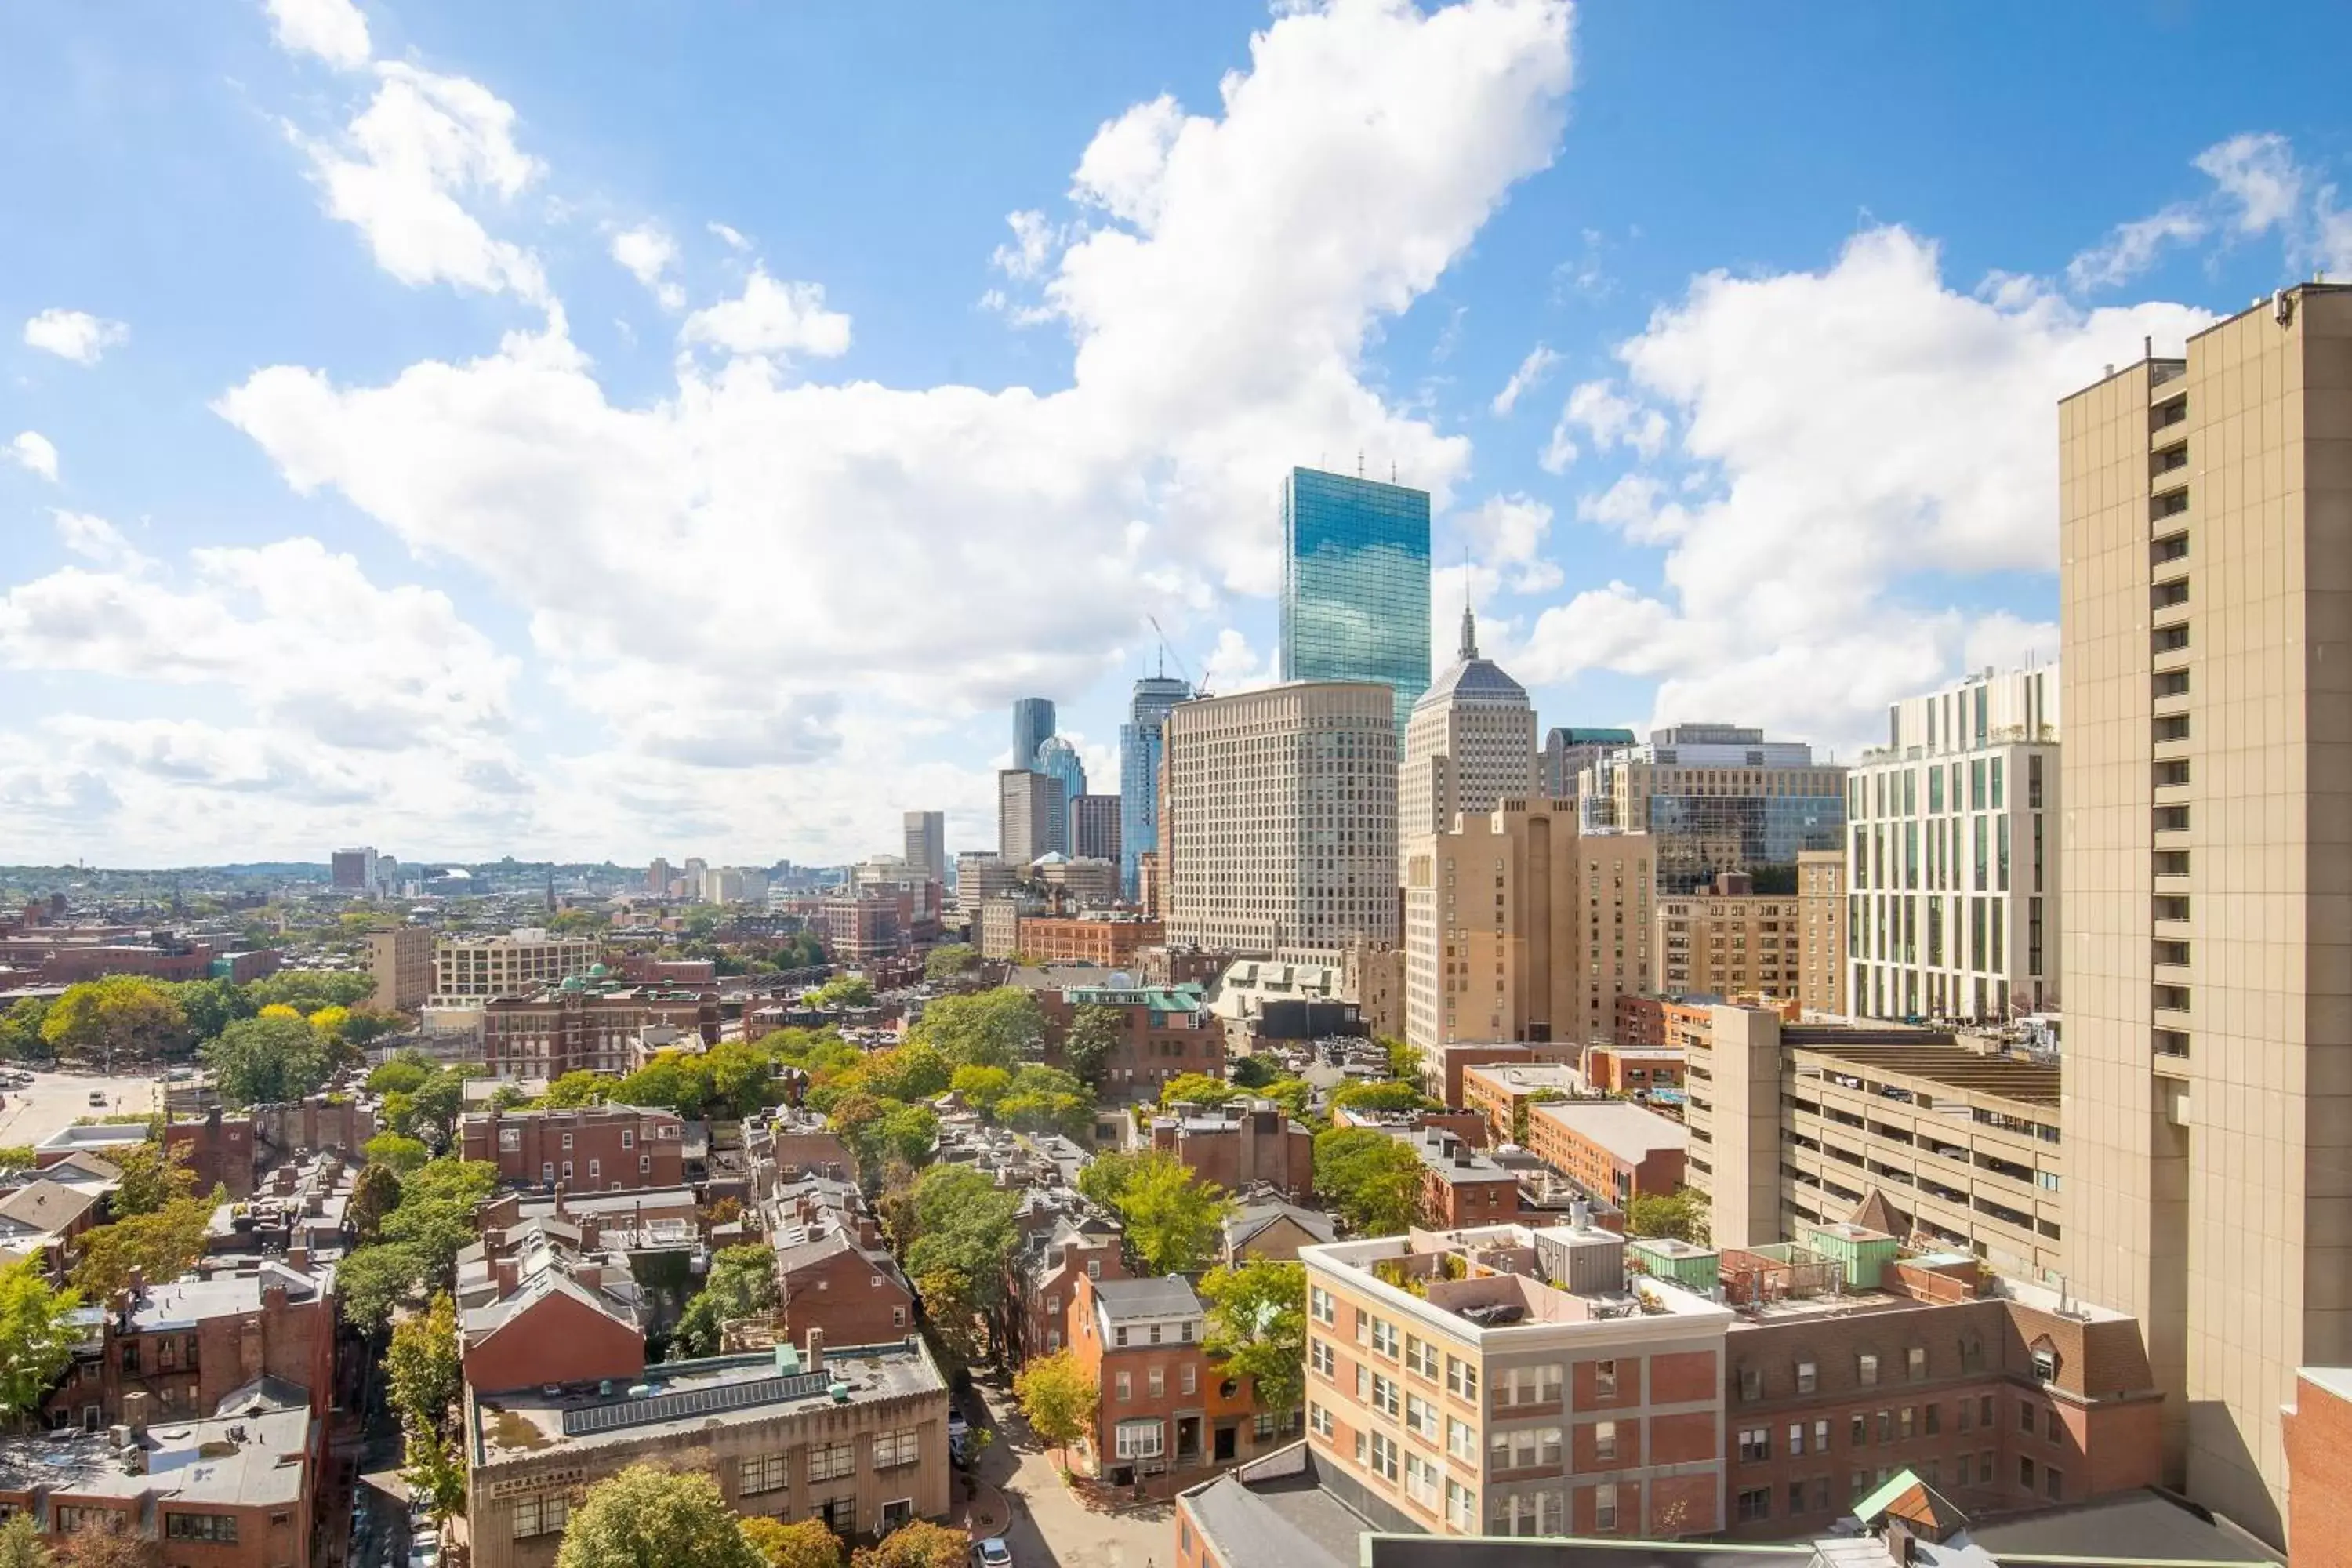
(1527, 1077)
(683, 1397)
(1505, 1278)
(239, 1461)
(1954, 1067)
(1628, 1133)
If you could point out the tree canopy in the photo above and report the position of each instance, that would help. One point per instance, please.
(1257, 1328)
(1199, 1089)
(803, 1543)
(1682, 1213)
(1387, 1094)
(1045, 1100)
(267, 1061)
(995, 1028)
(118, 1015)
(651, 1516)
(846, 991)
(1174, 1219)
(417, 1241)
(423, 1383)
(916, 1544)
(1058, 1397)
(741, 1284)
(150, 1179)
(949, 960)
(36, 1341)
(1368, 1178)
(955, 1236)
(1094, 1033)
(309, 989)
(159, 1246)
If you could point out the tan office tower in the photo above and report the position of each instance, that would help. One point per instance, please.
(1280, 826)
(927, 846)
(1024, 816)
(2206, 509)
(1471, 741)
(1821, 895)
(1517, 928)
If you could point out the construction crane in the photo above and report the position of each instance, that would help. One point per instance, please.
(1167, 655)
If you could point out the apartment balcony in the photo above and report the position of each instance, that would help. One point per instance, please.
(2163, 371)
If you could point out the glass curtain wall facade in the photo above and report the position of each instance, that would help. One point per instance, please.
(1033, 725)
(1142, 741)
(1355, 583)
(1058, 761)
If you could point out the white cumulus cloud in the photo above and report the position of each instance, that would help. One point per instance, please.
(76, 335)
(770, 319)
(1533, 372)
(35, 452)
(334, 31)
(647, 253)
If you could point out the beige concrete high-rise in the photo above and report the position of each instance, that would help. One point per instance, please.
(1518, 928)
(2206, 602)
(927, 846)
(1470, 742)
(1279, 829)
(1024, 816)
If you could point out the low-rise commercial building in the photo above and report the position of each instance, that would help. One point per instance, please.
(1609, 1147)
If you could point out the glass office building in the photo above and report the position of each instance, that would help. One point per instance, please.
(1058, 761)
(1355, 583)
(1032, 724)
(1142, 741)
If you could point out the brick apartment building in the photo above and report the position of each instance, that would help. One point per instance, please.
(1165, 1412)
(1065, 1238)
(219, 1149)
(2319, 1465)
(573, 1027)
(1636, 1070)
(1610, 1147)
(844, 1285)
(1641, 1022)
(1502, 1093)
(1112, 940)
(1238, 1143)
(187, 1345)
(2003, 1402)
(1168, 1031)
(1448, 1068)
(595, 1149)
(1460, 1185)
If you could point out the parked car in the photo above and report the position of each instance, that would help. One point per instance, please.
(98, 1096)
(992, 1553)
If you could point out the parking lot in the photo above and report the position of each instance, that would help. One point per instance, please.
(58, 1100)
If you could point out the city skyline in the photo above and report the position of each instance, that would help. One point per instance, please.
(263, 593)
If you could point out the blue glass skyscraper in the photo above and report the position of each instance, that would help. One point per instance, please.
(1033, 722)
(1355, 583)
(1141, 743)
(1058, 761)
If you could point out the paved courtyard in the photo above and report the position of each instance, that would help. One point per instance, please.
(58, 1100)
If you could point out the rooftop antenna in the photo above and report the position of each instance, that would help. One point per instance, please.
(1359, 462)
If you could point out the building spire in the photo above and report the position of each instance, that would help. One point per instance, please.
(1469, 633)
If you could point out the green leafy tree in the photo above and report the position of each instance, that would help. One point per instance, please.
(1681, 1213)
(375, 1193)
(742, 1080)
(403, 1074)
(1094, 1033)
(212, 1005)
(995, 1028)
(21, 1035)
(373, 1281)
(17, 1157)
(308, 990)
(577, 1090)
(438, 1102)
(1390, 1094)
(150, 1179)
(506, 1097)
(1295, 1095)
(981, 1088)
(1404, 1060)
(946, 962)
(160, 1245)
(650, 1517)
(365, 1025)
(265, 1061)
(36, 1341)
(1047, 1099)
(1059, 1398)
(21, 1545)
(741, 1284)
(912, 1072)
(1105, 1177)
(846, 991)
(1255, 1070)
(423, 1380)
(1258, 1328)
(955, 1236)
(1175, 1220)
(674, 1081)
(1368, 1178)
(803, 1543)
(916, 1544)
(400, 1155)
(1197, 1088)
(119, 1016)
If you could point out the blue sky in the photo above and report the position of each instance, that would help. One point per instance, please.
(600, 429)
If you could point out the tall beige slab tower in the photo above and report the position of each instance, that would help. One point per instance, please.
(2206, 509)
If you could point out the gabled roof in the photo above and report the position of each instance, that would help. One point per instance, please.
(1251, 1219)
(1172, 1297)
(47, 1205)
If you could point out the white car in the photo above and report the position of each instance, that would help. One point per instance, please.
(992, 1553)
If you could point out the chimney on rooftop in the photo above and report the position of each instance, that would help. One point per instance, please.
(814, 1361)
(135, 1405)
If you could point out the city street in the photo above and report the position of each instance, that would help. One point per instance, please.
(58, 1100)
(1051, 1527)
